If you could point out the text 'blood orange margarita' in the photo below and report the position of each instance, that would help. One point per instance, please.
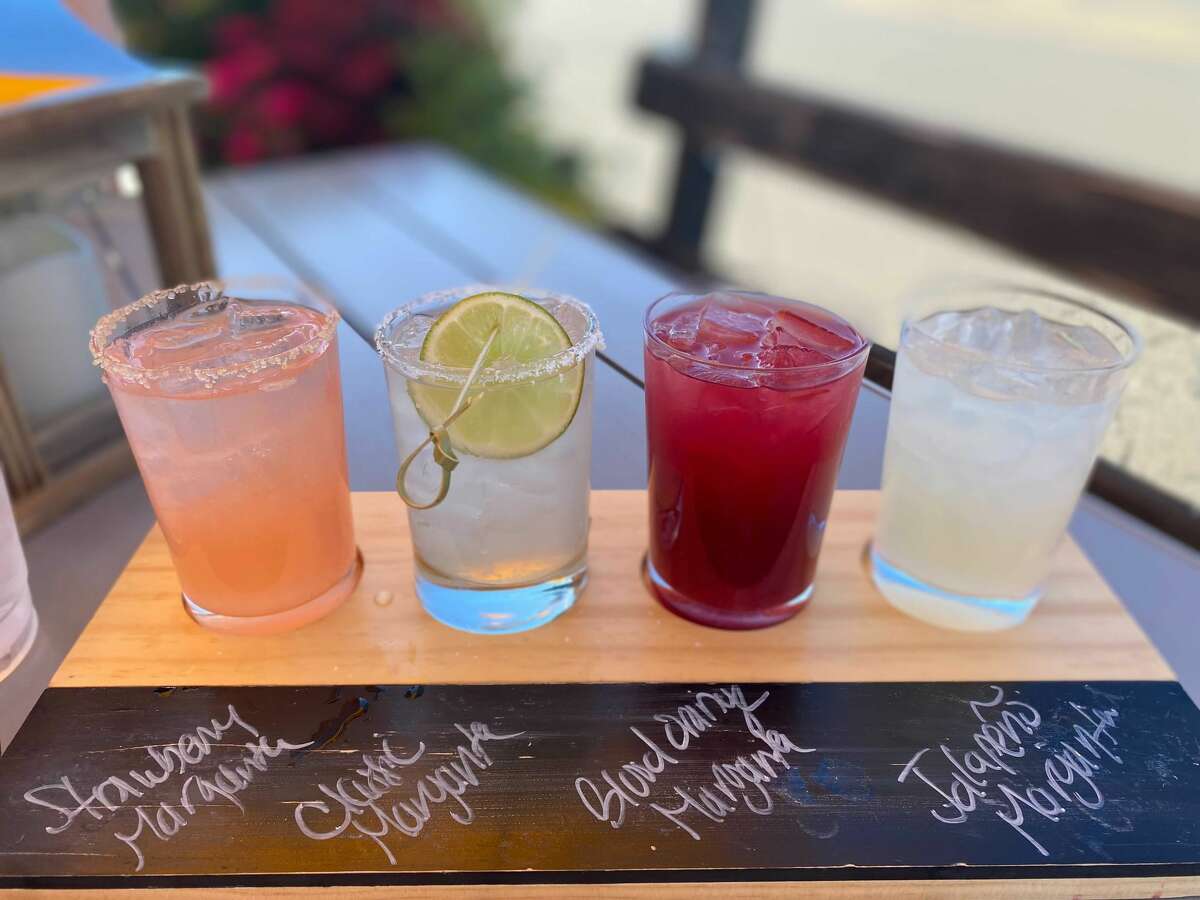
(748, 402)
(231, 399)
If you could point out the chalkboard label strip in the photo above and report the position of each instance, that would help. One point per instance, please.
(576, 783)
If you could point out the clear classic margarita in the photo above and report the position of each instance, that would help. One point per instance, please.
(500, 532)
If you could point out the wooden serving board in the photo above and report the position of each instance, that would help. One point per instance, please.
(616, 632)
(141, 637)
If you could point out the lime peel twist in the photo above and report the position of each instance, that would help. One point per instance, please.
(439, 436)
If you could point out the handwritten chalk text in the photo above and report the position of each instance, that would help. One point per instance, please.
(741, 781)
(1007, 730)
(359, 802)
(164, 820)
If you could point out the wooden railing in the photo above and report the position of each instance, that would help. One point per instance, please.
(1137, 240)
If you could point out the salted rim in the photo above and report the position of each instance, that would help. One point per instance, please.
(1128, 357)
(108, 324)
(653, 338)
(591, 340)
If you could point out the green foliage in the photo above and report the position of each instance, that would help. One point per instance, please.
(465, 100)
(179, 29)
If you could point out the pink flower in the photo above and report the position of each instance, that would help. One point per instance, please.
(233, 74)
(285, 102)
(227, 78)
(366, 70)
(329, 120)
(310, 54)
(243, 145)
(329, 18)
(260, 60)
(311, 73)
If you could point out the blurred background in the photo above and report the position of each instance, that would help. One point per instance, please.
(848, 151)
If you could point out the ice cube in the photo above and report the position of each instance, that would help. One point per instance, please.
(412, 331)
(1002, 382)
(721, 327)
(728, 376)
(786, 356)
(1080, 347)
(1024, 337)
(569, 316)
(828, 336)
(1026, 333)
(209, 303)
(179, 334)
(1019, 356)
(679, 331)
(244, 317)
(991, 330)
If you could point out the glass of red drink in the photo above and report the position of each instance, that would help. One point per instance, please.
(748, 402)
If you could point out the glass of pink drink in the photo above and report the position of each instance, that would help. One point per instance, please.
(748, 402)
(231, 399)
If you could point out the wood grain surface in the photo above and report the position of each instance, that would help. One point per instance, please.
(617, 632)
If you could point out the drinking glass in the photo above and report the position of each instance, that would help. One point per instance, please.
(998, 409)
(18, 618)
(230, 396)
(748, 403)
(506, 549)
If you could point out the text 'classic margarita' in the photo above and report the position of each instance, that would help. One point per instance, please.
(491, 396)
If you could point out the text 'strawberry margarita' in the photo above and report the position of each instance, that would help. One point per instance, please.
(231, 399)
(748, 401)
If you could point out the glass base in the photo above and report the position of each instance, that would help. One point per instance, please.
(503, 610)
(17, 652)
(286, 620)
(942, 608)
(715, 616)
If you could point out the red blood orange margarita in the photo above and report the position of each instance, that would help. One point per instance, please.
(748, 401)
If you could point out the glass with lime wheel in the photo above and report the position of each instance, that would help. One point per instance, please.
(491, 395)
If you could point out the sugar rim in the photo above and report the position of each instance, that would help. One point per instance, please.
(852, 357)
(1128, 357)
(590, 341)
(108, 324)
